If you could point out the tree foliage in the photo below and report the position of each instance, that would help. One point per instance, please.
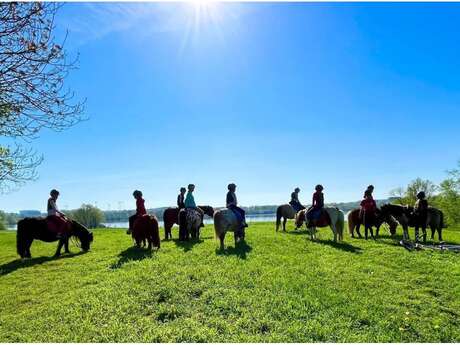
(33, 67)
(88, 215)
(408, 195)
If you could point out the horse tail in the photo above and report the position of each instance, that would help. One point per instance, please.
(278, 217)
(351, 224)
(442, 225)
(340, 224)
(217, 219)
(20, 238)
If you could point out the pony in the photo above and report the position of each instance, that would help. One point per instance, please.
(30, 229)
(330, 216)
(355, 222)
(189, 222)
(171, 217)
(404, 216)
(286, 212)
(146, 228)
(225, 220)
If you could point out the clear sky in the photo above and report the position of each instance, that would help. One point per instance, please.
(269, 96)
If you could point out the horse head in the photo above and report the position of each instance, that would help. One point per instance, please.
(299, 218)
(386, 215)
(208, 210)
(83, 234)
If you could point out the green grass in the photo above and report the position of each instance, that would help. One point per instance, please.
(278, 287)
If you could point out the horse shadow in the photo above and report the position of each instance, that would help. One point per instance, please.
(240, 250)
(294, 232)
(132, 254)
(347, 247)
(24, 263)
(188, 245)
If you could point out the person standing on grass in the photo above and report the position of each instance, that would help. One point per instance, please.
(421, 215)
(232, 204)
(140, 209)
(181, 198)
(189, 202)
(368, 209)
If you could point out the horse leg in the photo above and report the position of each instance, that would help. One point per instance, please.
(58, 249)
(416, 235)
(405, 232)
(358, 226)
(424, 234)
(66, 246)
(433, 230)
(284, 224)
(26, 251)
(167, 229)
(372, 232)
(366, 231)
(440, 233)
(334, 231)
(222, 238)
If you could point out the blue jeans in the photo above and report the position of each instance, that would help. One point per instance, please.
(239, 213)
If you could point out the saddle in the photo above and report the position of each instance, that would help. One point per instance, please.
(58, 225)
(323, 220)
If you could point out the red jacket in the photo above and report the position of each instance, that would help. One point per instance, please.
(140, 207)
(368, 205)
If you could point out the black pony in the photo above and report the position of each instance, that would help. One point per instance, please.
(192, 230)
(30, 229)
(405, 216)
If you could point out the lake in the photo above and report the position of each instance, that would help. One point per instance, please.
(249, 219)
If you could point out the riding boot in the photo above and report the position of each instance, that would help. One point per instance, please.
(417, 239)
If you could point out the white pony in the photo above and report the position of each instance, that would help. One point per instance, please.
(224, 221)
(336, 221)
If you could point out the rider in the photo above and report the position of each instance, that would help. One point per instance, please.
(367, 195)
(368, 205)
(295, 203)
(181, 198)
(54, 215)
(190, 202)
(369, 189)
(420, 213)
(140, 209)
(314, 212)
(232, 204)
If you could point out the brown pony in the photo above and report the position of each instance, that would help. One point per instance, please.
(286, 212)
(171, 217)
(355, 222)
(146, 228)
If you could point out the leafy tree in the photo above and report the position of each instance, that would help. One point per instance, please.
(449, 196)
(408, 195)
(2, 221)
(33, 67)
(88, 215)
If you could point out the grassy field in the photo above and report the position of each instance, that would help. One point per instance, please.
(276, 287)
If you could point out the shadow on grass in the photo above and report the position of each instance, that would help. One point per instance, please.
(347, 247)
(132, 254)
(20, 263)
(187, 245)
(294, 232)
(240, 250)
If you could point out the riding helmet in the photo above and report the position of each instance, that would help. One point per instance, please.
(297, 190)
(231, 186)
(54, 192)
(421, 195)
(137, 193)
(319, 187)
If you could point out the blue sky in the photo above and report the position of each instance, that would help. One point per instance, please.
(269, 96)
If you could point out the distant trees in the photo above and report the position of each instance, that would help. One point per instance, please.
(408, 195)
(33, 67)
(90, 216)
(445, 196)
